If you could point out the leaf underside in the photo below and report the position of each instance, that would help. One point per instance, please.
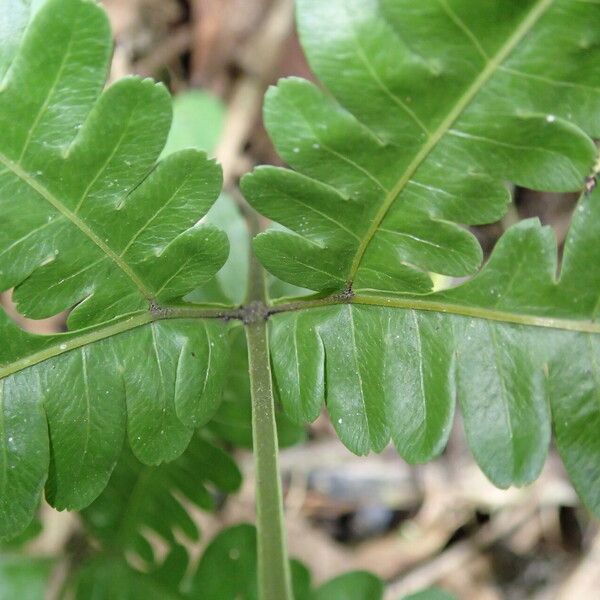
(430, 108)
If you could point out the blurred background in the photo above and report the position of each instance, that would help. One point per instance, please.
(436, 524)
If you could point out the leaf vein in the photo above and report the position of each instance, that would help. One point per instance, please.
(77, 221)
(491, 66)
(462, 25)
(549, 80)
(49, 95)
(393, 97)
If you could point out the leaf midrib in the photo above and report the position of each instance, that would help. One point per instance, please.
(27, 178)
(487, 314)
(423, 304)
(490, 68)
(119, 325)
(141, 318)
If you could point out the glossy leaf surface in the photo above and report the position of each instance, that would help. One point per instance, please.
(516, 347)
(83, 201)
(69, 401)
(91, 221)
(432, 107)
(429, 109)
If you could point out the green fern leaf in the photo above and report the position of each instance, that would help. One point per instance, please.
(107, 577)
(82, 200)
(421, 134)
(416, 142)
(139, 499)
(91, 221)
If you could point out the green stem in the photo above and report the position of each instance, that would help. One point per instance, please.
(273, 566)
(274, 579)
